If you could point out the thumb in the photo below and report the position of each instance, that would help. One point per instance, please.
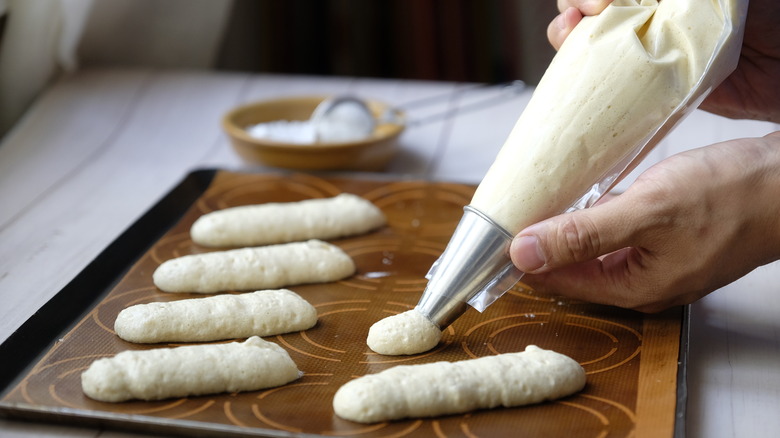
(570, 238)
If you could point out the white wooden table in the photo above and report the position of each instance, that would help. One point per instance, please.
(101, 146)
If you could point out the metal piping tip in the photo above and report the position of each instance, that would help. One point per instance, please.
(475, 269)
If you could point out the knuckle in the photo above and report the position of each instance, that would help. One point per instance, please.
(579, 239)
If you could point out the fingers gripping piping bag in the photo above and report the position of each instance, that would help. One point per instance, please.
(620, 82)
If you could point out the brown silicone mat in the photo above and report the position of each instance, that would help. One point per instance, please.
(631, 359)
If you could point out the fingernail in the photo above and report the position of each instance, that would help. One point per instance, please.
(560, 21)
(527, 253)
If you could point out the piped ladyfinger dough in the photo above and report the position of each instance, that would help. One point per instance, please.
(443, 388)
(406, 333)
(280, 222)
(265, 267)
(191, 370)
(261, 313)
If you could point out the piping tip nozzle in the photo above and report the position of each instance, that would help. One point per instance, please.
(474, 270)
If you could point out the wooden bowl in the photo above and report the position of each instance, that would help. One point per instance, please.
(369, 154)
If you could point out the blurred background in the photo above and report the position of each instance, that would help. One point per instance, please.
(453, 40)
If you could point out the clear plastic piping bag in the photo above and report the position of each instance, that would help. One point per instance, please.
(663, 32)
(720, 65)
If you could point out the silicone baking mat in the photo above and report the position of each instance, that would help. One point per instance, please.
(634, 362)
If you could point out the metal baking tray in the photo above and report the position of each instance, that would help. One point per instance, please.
(635, 363)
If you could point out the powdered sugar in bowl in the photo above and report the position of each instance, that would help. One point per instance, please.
(287, 133)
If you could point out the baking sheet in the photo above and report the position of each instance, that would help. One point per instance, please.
(635, 363)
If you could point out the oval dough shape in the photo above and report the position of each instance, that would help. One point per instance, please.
(260, 313)
(406, 333)
(443, 388)
(192, 370)
(264, 224)
(265, 267)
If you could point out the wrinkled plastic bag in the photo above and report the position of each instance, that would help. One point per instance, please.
(720, 65)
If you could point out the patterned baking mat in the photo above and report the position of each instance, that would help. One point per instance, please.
(633, 361)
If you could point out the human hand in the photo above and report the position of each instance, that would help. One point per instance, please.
(688, 225)
(751, 91)
(571, 12)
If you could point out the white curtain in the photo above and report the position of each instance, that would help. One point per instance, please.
(39, 42)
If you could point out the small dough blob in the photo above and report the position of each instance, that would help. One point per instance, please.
(406, 333)
(444, 388)
(192, 370)
(260, 313)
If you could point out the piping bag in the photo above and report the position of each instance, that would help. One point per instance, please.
(621, 81)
